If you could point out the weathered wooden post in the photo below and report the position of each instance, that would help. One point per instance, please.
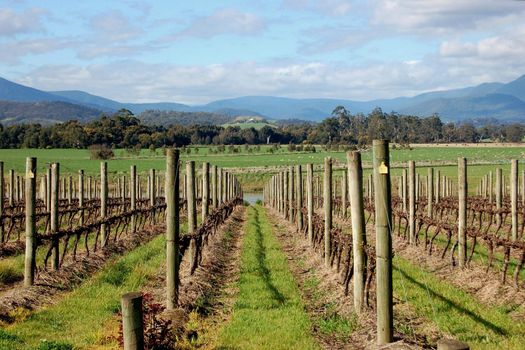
(30, 207)
(383, 227)
(224, 185)
(344, 185)
(299, 195)
(405, 190)
(462, 212)
(81, 196)
(430, 191)
(103, 202)
(219, 186)
(214, 186)
(70, 190)
(355, 186)
(205, 190)
(291, 186)
(490, 188)
(310, 200)
(53, 215)
(152, 191)
(132, 323)
(133, 196)
(2, 196)
(498, 194)
(11, 187)
(192, 212)
(172, 228)
(437, 191)
(286, 194)
(327, 204)
(412, 201)
(514, 198)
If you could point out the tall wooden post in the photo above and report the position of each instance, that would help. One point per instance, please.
(327, 204)
(462, 219)
(81, 196)
(437, 192)
(430, 191)
(152, 191)
(383, 227)
(192, 212)
(53, 219)
(132, 323)
(30, 207)
(133, 196)
(299, 195)
(11, 187)
(355, 185)
(172, 228)
(490, 187)
(214, 186)
(514, 198)
(103, 202)
(310, 200)
(205, 190)
(405, 190)
(499, 194)
(412, 201)
(344, 191)
(291, 186)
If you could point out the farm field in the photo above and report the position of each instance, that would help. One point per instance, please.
(250, 275)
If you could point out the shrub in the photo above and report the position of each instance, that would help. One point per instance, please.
(101, 152)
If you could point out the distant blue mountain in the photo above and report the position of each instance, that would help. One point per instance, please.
(496, 101)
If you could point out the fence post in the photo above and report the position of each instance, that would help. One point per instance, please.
(299, 195)
(383, 227)
(11, 187)
(514, 197)
(310, 200)
(437, 191)
(172, 228)
(214, 186)
(405, 190)
(152, 192)
(133, 196)
(327, 204)
(412, 201)
(132, 324)
(205, 190)
(30, 204)
(103, 202)
(490, 188)
(291, 194)
(53, 220)
(355, 186)
(462, 215)
(81, 196)
(430, 191)
(192, 213)
(344, 183)
(498, 194)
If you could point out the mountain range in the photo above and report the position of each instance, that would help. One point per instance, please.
(496, 102)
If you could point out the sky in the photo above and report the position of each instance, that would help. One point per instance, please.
(195, 52)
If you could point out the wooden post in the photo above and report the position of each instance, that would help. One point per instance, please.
(412, 201)
(437, 192)
(498, 194)
(11, 187)
(133, 196)
(286, 194)
(383, 227)
(462, 219)
(310, 200)
(430, 191)
(53, 220)
(514, 198)
(405, 190)
(344, 183)
(152, 191)
(30, 207)
(70, 190)
(299, 195)
(81, 196)
(192, 212)
(172, 228)
(355, 185)
(214, 186)
(132, 324)
(103, 202)
(327, 204)
(205, 190)
(291, 203)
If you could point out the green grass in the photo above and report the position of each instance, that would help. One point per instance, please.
(268, 312)
(454, 311)
(80, 317)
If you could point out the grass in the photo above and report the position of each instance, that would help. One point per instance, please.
(454, 311)
(268, 312)
(79, 318)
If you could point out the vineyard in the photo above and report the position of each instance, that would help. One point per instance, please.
(346, 254)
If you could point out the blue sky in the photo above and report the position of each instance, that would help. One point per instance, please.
(199, 51)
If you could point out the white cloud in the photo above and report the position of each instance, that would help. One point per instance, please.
(12, 23)
(223, 21)
(114, 26)
(334, 8)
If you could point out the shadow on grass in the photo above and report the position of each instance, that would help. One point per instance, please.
(262, 264)
(476, 318)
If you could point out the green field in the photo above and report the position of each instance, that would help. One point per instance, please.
(442, 158)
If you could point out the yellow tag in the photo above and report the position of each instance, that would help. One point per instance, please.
(383, 169)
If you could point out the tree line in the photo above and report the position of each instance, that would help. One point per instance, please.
(124, 130)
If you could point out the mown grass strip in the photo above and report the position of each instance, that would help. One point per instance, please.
(79, 318)
(268, 312)
(455, 311)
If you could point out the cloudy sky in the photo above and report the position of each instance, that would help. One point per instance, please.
(198, 51)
